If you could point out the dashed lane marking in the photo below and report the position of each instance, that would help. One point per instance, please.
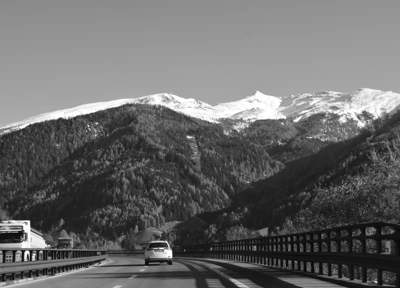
(118, 286)
(134, 276)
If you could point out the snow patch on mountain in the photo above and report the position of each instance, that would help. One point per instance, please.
(65, 113)
(191, 107)
(172, 101)
(264, 105)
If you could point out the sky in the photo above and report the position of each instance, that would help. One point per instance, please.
(58, 54)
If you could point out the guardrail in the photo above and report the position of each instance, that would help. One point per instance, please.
(368, 252)
(13, 264)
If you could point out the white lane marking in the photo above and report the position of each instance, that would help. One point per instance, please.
(234, 281)
(118, 286)
(133, 276)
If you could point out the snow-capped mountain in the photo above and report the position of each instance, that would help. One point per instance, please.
(188, 106)
(255, 107)
(346, 105)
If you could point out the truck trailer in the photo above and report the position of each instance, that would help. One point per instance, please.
(20, 234)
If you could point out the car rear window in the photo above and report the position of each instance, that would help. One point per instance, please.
(158, 245)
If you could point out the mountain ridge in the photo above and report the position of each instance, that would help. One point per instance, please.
(104, 173)
(255, 107)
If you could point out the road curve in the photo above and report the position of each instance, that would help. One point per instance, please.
(127, 272)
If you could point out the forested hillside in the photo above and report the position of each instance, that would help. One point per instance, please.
(133, 167)
(309, 149)
(125, 167)
(305, 194)
(352, 181)
(363, 187)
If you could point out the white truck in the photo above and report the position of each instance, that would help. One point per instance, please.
(19, 234)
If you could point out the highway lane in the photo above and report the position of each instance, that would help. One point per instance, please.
(124, 272)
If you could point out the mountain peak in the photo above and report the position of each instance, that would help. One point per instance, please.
(258, 94)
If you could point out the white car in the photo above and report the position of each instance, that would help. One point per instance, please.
(158, 251)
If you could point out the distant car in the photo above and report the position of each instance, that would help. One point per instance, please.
(158, 251)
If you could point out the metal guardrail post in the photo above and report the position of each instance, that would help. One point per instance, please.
(304, 250)
(350, 250)
(339, 249)
(397, 253)
(379, 251)
(320, 263)
(311, 244)
(363, 251)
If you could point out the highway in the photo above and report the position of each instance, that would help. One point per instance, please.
(125, 271)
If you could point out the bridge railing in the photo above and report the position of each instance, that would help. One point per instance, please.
(14, 264)
(368, 252)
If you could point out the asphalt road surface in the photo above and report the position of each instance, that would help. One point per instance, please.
(126, 272)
